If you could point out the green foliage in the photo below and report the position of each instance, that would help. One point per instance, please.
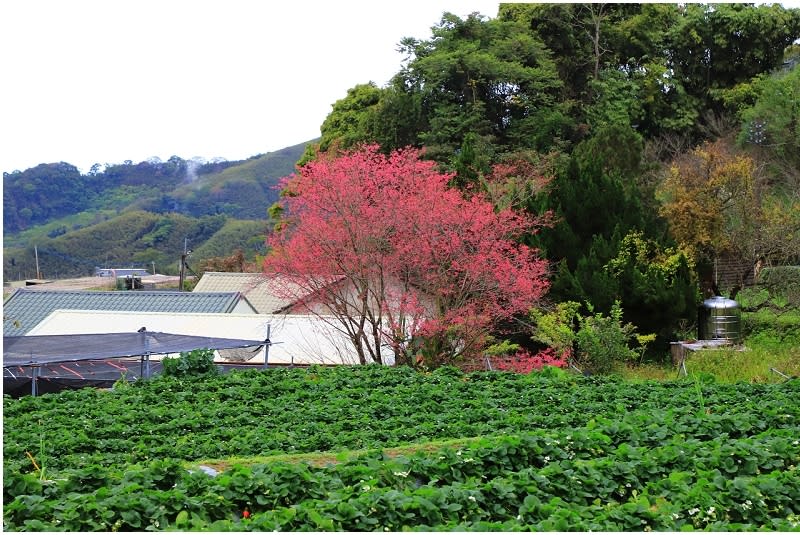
(589, 205)
(602, 341)
(755, 364)
(504, 347)
(656, 286)
(774, 329)
(771, 310)
(600, 254)
(42, 193)
(141, 237)
(782, 281)
(644, 458)
(773, 121)
(199, 362)
(348, 123)
(250, 236)
(741, 40)
(471, 162)
(594, 210)
(599, 344)
(556, 329)
(616, 147)
(487, 77)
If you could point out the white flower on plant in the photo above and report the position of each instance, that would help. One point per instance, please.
(402, 474)
(693, 511)
(472, 499)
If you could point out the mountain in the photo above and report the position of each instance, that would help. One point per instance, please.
(134, 215)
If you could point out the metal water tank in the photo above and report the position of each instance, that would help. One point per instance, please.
(720, 318)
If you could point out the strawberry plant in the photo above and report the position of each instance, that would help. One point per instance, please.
(549, 451)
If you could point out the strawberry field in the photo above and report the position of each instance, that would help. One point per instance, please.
(392, 449)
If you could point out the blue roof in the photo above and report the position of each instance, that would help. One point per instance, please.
(26, 308)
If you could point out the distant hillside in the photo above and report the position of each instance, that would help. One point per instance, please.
(137, 214)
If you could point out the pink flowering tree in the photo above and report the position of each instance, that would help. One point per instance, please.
(400, 262)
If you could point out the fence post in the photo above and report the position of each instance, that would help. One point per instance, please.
(34, 378)
(267, 343)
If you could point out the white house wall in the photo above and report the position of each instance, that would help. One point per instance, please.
(296, 339)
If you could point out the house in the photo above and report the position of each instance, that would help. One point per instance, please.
(277, 294)
(255, 287)
(268, 292)
(26, 308)
(295, 339)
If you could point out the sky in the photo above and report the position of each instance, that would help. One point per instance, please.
(104, 81)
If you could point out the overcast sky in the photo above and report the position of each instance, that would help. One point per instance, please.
(104, 81)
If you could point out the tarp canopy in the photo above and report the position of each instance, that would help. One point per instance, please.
(41, 349)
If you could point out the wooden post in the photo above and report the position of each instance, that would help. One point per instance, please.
(678, 352)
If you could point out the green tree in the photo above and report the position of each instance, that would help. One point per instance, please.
(714, 46)
(771, 126)
(493, 78)
(656, 286)
(349, 121)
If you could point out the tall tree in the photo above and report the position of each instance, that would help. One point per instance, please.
(400, 260)
(349, 121)
(771, 126)
(490, 77)
(718, 204)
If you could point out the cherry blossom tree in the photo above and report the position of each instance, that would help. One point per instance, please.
(400, 262)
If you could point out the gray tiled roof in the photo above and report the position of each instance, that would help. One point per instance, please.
(26, 308)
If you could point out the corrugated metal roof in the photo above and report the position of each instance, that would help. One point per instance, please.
(258, 289)
(26, 308)
(298, 339)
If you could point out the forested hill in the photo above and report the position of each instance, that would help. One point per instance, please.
(137, 213)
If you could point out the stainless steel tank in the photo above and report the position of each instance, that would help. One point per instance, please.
(720, 318)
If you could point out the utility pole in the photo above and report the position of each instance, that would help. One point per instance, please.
(186, 253)
(36, 253)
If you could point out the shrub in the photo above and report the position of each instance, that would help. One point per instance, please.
(771, 310)
(597, 342)
(782, 281)
(192, 363)
(603, 341)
